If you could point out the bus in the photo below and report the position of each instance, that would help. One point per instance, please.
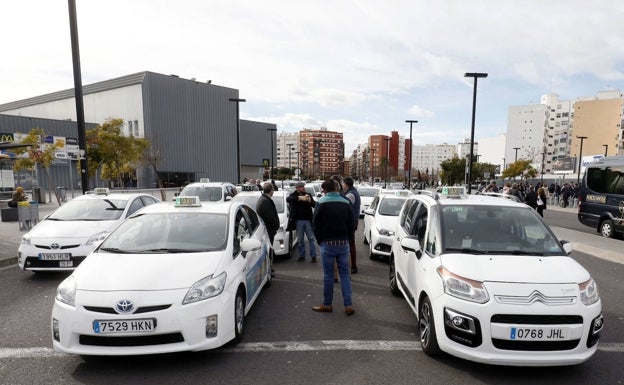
(601, 196)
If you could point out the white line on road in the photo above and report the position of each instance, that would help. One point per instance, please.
(294, 346)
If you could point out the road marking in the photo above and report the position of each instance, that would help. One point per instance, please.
(288, 346)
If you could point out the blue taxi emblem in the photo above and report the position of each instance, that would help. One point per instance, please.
(124, 306)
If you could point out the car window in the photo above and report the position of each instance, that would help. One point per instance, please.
(433, 244)
(390, 206)
(90, 210)
(148, 200)
(252, 219)
(409, 218)
(135, 206)
(169, 233)
(367, 192)
(241, 230)
(406, 209)
(374, 203)
(205, 194)
(419, 223)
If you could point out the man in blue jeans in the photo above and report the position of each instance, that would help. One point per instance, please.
(333, 223)
(301, 204)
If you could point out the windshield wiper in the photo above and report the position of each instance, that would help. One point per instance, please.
(466, 250)
(521, 252)
(112, 205)
(115, 250)
(165, 250)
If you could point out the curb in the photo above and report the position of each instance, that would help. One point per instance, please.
(8, 261)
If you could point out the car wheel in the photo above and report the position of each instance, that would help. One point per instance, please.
(426, 328)
(606, 228)
(239, 316)
(269, 276)
(394, 283)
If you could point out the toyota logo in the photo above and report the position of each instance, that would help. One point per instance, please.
(124, 306)
(55, 246)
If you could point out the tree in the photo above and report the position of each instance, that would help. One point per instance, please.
(521, 168)
(453, 170)
(112, 152)
(37, 154)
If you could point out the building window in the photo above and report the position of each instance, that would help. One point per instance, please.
(129, 127)
(136, 128)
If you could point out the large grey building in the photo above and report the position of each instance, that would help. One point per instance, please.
(192, 124)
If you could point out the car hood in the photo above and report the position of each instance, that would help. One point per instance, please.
(119, 272)
(70, 229)
(515, 268)
(386, 222)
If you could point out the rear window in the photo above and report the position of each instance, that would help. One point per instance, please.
(608, 180)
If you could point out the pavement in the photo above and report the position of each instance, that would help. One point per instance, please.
(592, 244)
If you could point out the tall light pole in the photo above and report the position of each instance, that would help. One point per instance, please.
(606, 146)
(409, 170)
(387, 140)
(298, 166)
(290, 146)
(474, 75)
(238, 161)
(271, 131)
(578, 175)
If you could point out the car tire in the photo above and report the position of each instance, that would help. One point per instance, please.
(606, 228)
(426, 328)
(269, 276)
(239, 316)
(394, 283)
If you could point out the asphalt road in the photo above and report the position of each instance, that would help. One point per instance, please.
(286, 342)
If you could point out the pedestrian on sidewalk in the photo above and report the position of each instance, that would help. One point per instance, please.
(301, 204)
(353, 196)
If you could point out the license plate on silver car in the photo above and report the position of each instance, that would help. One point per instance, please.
(140, 325)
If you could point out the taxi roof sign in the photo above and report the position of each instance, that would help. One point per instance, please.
(204, 180)
(187, 201)
(453, 191)
(101, 191)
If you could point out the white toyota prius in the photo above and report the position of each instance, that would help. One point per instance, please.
(490, 282)
(176, 276)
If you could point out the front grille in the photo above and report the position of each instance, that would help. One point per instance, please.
(157, 339)
(535, 319)
(34, 262)
(534, 345)
(47, 247)
(110, 310)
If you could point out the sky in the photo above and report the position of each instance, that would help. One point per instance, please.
(360, 67)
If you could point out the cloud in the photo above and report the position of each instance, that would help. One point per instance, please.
(420, 112)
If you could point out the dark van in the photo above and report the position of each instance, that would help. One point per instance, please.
(601, 198)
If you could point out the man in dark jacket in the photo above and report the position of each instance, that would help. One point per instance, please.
(353, 196)
(333, 224)
(531, 198)
(267, 211)
(301, 204)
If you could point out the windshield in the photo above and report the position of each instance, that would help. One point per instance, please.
(205, 194)
(391, 206)
(169, 233)
(252, 200)
(367, 192)
(496, 230)
(90, 210)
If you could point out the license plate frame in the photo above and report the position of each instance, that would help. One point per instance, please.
(66, 263)
(124, 326)
(538, 333)
(54, 256)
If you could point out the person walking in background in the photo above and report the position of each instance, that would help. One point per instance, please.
(541, 200)
(333, 224)
(301, 204)
(353, 196)
(531, 198)
(17, 196)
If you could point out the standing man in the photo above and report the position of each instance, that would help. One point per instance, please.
(353, 196)
(267, 211)
(333, 224)
(301, 204)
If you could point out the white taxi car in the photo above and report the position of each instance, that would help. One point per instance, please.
(209, 191)
(65, 237)
(174, 277)
(380, 221)
(490, 282)
(284, 240)
(367, 194)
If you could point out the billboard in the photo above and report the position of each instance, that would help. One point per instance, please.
(564, 165)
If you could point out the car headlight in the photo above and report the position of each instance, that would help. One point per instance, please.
(385, 232)
(589, 292)
(205, 288)
(66, 291)
(96, 238)
(463, 288)
(26, 239)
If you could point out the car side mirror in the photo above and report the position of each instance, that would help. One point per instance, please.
(410, 243)
(369, 212)
(567, 247)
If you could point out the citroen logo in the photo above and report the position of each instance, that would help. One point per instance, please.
(54, 246)
(124, 306)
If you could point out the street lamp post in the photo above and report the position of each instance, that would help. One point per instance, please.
(606, 146)
(474, 75)
(409, 170)
(578, 175)
(371, 163)
(271, 131)
(387, 140)
(238, 161)
(290, 146)
(298, 166)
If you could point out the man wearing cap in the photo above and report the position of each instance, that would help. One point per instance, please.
(301, 204)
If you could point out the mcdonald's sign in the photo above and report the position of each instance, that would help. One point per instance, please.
(6, 137)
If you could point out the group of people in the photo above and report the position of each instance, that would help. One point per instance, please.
(332, 222)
